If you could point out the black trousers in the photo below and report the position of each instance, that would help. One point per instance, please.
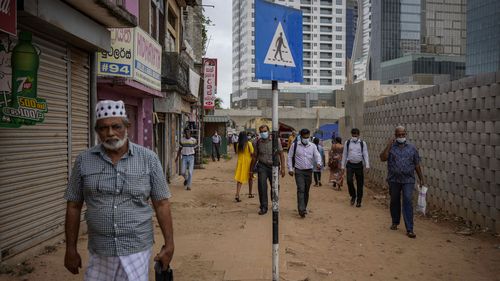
(317, 177)
(355, 169)
(264, 175)
(235, 145)
(303, 179)
(215, 151)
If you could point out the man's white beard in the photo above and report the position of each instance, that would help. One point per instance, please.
(115, 144)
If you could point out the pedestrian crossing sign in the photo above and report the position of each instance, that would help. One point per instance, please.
(278, 42)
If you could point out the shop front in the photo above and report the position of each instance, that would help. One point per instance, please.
(45, 96)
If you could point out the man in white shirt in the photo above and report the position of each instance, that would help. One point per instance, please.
(302, 156)
(354, 157)
(187, 148)
(216, 140)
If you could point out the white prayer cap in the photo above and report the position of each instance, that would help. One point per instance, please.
(110, 108)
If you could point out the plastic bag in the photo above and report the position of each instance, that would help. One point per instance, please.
(422, 203)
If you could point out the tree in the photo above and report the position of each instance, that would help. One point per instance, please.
(218, 103)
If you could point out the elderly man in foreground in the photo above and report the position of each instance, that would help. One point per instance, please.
(116, 179)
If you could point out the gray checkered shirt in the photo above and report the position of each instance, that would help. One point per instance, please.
(119, 217)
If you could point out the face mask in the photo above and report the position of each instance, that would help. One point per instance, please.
(304, 141)
(354, 139)
(401, 140)
(264, 135)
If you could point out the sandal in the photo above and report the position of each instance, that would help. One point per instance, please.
(237, 199)
(251, 195)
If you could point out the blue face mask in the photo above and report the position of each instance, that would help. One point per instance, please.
(264, 135)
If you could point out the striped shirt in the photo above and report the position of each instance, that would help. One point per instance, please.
(188, 146)
(119, 217)
(306, 156)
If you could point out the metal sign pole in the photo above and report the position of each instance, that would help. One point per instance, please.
(275, 185)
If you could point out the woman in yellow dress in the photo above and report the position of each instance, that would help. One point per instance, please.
(243, 170)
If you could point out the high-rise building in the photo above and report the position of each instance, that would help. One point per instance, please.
(324, 55)
(412, 39)
(483, 39)
(361, 49)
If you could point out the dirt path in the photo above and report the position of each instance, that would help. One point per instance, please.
(218, 239)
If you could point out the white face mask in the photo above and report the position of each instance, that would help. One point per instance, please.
(304, 141)
(401, 140)
(354, 139)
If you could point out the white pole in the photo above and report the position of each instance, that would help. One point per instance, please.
(275, 192)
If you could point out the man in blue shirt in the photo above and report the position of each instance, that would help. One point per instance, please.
(402, 162)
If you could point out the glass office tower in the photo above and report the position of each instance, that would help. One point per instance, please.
(483, 39)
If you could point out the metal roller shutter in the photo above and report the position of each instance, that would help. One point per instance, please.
(34, 162)
(79, 102)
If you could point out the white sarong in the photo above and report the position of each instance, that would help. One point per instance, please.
(134, 267)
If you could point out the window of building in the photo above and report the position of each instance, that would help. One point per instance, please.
(338, 28)
(338, 72)
(173, 29)
(325, 20)
(338, 11)
(338, 64)
(325, 81)
(338, 46)
(338, 37)
(338, 55)
(338, 81)
(338, 20)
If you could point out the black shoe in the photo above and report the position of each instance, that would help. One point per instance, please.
(394, 226)
(358, 205)
(185, 182)
(411, 234)
(302, 214)
(262, 212)
(353, 200)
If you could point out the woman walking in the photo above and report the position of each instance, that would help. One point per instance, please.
(334, 163)
(243, 170)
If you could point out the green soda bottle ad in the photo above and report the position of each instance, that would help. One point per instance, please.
(25, 108)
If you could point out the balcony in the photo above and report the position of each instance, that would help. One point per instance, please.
(111, 13)
(175, 75)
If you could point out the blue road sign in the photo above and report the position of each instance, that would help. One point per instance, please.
(278, 42)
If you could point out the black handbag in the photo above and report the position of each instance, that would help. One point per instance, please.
(163, 275)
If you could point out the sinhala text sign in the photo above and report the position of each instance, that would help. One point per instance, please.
(133, 54)
(209, 82)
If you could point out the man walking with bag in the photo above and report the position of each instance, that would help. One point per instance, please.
(303, 156)
(263, 156)
(402, 162)
(355, 155)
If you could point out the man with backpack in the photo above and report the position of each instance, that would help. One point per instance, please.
(263, 156)
(302, 156)
(355, 155)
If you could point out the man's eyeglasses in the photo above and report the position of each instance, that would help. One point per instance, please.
(114, 127)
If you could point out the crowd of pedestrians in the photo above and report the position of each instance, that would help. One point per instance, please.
(117, 178)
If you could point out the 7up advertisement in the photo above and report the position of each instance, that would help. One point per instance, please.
(19, 104)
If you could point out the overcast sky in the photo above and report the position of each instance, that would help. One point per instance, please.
(220, 44)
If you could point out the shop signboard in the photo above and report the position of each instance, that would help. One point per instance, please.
(118, 60)
(147, 60)
(19, 62)
(209, 82)
(8, 16)
(133, 54)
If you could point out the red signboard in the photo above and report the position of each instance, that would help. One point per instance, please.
(209, 83)
(8, 21)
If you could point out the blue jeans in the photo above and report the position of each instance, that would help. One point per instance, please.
(187, 164)
(395, 190)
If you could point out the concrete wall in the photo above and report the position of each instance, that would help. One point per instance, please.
(359, 93)
(456, 128)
